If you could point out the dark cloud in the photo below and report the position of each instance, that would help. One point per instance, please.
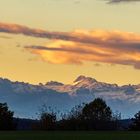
(119, 1)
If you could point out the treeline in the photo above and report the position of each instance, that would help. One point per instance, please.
(93, 116)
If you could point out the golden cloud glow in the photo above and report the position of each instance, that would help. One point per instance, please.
(110, 47)
(113, 47)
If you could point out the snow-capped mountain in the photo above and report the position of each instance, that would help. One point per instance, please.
(83, 82)
(25, 99)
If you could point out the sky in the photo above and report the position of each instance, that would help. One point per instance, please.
(43, 40)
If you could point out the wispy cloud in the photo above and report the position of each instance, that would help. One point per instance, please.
(77, 47)
(19, 29)
(119, 1)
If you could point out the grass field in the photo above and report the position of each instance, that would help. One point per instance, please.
(36, 135)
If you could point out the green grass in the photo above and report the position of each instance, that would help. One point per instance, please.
(37, 135)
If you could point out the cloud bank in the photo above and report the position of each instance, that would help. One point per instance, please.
(77, 47)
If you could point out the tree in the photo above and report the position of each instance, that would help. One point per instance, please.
(47, 119)
(97, 110)
(72, 120)
(136, 122)
(92, 116)
(6, 118)
(97, 115)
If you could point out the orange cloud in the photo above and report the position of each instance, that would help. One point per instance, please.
(111, 47)
(77, 47)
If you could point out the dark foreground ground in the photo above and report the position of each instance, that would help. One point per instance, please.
(36, 135)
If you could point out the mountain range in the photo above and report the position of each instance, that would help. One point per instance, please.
(27, 99)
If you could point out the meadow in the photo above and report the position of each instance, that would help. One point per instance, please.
(42, 135)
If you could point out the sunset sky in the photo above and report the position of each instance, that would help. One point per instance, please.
(43, 40)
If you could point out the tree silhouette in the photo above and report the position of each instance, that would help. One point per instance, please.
(136, 122)
(97, 110)
(97, 115)
(72, 120)
(6, 118)
(92, 116)
(47, 119)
